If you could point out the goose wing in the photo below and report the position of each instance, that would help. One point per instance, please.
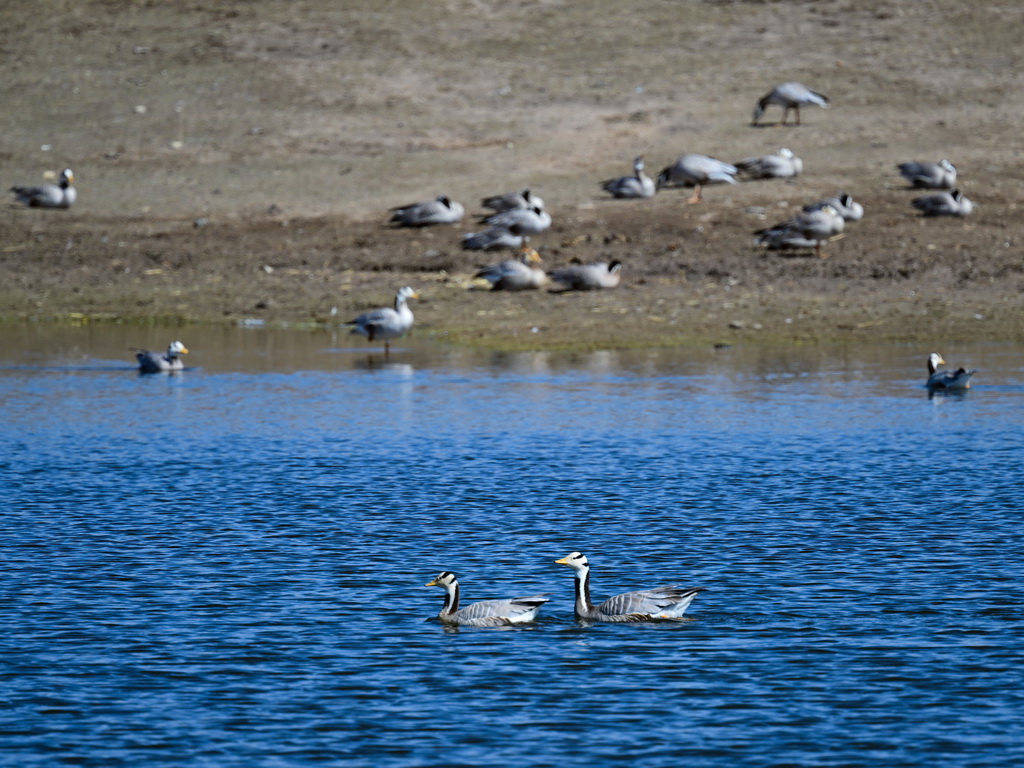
(661, 602)
(494, 613)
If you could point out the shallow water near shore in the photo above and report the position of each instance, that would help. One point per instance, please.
(224, 567)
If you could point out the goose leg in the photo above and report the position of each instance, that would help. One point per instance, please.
(696, 197)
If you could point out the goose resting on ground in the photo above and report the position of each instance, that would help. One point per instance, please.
(154, 362)
(521, 221)
(940, 175)
(662, 604)
(386, 323)
(789, 96)
(845, 206)
(59, 195)
(637, 185)
(697, 171)
(944, 204)
(493, 239)
(958, 379)
(519, 274)
(441, 210)
(488, 613)
(511, 201)
(807, 230)
(589, 277)
(782, 165)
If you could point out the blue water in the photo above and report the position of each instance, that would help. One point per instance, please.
(225, 567)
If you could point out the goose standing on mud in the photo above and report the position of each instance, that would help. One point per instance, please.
(59, 195)
(519, 274)
(782, 165)
(385, 324)
(789, 96)
(807, 230)
(940, 175)
(487, 613)
(154, 362)
(589, 277)
(639, 185)
(697, 171)
(939, 379)
(441, 210)
(661, 604)
(944, 204)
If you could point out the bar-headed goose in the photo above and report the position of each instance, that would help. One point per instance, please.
(940, 175)
(519, 274)
(807, 230)
(59, 195)
(154, 362)
(665, 603)
(637, 185)
(782, 165)
(789, 96)
(493, 239)
(844, 204)
(488, 613)
(511, 201)
(589, 277)
(521, 221)
(697, 171)
(944, 204)
(939, 379)
(441, 210)
(386, 323)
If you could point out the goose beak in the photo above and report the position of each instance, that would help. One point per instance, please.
(183, 351)
(563, 561)
(431, 583)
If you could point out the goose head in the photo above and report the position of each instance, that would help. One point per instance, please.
(934, 361)
(577, 561)
(406, 293)
(67, 178)
(445, 580)
(176, 348)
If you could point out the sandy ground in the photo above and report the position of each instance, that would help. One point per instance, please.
(239, 162)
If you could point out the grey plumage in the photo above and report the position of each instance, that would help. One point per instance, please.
(789, 96)
(59, 195)
(659, 604)
(441, 210)
(386, 323)
(511, 201)
(487, 613)
(944, 379)
(155, 362)
(782, 165)
(809, 229)
(589, 277)
(519, 274)
(639, 185)
(493, 239)
(697, 171)
(844, 205)
(944, 204)
(521, 221)
(940, 175)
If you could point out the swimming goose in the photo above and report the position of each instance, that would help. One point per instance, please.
(521, 221)
(782, 165)
(664, 603)
(958, 379)
(154, 362)
(696, 171)
(637, 185)
(511, 201)
(589, 277)
(789, 96)
(60, 195)
(944, 204)
(519, 274)
(488, 613)
(845, 206)
(809, 229)
(940, 175)
(386, 323)
(493, 239)
(442, 210)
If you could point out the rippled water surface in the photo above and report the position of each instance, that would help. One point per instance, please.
(225, 567)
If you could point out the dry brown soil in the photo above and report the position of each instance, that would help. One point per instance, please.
(237, 160)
